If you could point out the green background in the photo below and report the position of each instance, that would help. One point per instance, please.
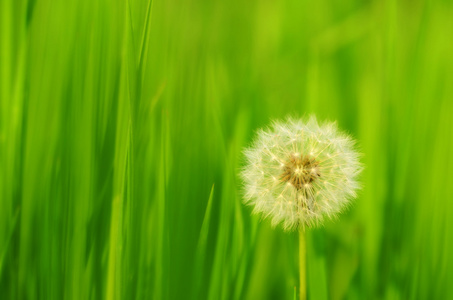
(122, 125)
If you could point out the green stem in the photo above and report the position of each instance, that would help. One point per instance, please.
(302, 265)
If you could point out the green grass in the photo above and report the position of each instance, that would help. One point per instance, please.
(122, 125)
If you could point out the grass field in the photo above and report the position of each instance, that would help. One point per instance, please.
(122, 125)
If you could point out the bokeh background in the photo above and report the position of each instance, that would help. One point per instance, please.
(121, 129)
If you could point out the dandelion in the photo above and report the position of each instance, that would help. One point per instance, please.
(300, 173)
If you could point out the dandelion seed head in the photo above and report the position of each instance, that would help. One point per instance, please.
(298, 173)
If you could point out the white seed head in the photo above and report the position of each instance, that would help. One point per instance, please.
(297, 173)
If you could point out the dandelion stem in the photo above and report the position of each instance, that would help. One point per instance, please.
(302, 265)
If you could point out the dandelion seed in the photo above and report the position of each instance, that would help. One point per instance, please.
(314, 170)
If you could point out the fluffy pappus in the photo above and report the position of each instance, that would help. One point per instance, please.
(299, 172)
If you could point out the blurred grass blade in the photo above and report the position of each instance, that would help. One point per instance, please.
(200, 260)
(6, 243)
